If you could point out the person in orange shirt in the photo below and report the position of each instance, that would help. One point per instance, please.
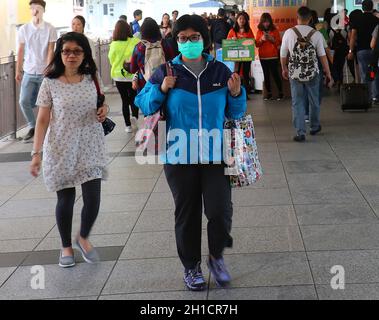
(242, 30)
(268, 43)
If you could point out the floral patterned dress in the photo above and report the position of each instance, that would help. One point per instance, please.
(74, 149)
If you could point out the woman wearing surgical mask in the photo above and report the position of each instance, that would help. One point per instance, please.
(198, 96)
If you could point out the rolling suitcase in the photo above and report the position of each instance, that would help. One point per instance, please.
(354, 96)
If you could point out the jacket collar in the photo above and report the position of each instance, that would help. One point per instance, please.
(178, 59)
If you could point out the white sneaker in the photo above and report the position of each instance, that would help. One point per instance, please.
(129, 129)
(134, 120)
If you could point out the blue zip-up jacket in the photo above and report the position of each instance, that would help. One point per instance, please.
(195, 110)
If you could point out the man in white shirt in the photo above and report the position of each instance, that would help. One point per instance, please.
(36, 41)
(301, 90)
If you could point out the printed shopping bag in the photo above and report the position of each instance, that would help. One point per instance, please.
(242, 157)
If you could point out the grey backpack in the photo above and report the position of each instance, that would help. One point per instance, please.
(303, 63)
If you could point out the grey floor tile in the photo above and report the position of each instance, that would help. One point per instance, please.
(12, 259)
(138, 172)
(155, 220)
(329, 214)
(149, 275)
(313, 166)
(8, 246)
(323, 188)
(24, 228)
(82, 280)
(305, 292)
(168, 295)
(307, 151)
(341, 237)
(160, 201)
(361, 165)
(270, 181)
(28, 208)
(268, 269)
(261, 197)
(266, 239)
(114, 187)
(5, 274)
(360, 266)
(263, 216)
(150, 245)
(367, 291)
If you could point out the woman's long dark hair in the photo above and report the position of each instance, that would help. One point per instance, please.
(264, 18)
(56, 68)
(150, 30)
(247, 24)
(169, 22)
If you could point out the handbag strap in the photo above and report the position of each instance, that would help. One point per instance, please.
(96, 81)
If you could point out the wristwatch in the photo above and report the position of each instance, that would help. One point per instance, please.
(350, 51)
(33, 153)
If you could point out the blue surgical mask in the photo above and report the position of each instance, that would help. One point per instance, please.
(191, 50)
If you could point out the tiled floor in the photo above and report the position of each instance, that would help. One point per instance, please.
(316, 206)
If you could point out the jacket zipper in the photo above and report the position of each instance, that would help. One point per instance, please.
(200, 107)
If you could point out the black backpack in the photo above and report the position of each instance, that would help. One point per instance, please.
(339, 43)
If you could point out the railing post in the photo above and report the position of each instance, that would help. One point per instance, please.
(13, 61)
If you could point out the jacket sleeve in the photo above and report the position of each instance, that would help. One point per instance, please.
(236, 106)
(231, 34)
(258, 42)
(151, 98)
(133, 66)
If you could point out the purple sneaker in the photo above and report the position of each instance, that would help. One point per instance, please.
(218, 269)
(193, 278)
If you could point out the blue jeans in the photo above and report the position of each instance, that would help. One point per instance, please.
(304, 94)
(321, 89)
(364, 59)
(30, 85)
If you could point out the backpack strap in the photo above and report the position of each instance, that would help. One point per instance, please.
(310, 35)
(298, 34)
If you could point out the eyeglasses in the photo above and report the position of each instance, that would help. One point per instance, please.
(192, 38)
(76, 52)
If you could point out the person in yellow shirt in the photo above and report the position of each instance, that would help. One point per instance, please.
(121, 50)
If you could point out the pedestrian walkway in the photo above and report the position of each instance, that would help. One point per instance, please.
(317, 206)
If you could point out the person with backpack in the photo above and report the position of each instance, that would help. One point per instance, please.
(268, 43)
(121, 49)
(149, 54)
(199, 95)
(361, 36)
(304, 45)
(219, 29)
(338, 40)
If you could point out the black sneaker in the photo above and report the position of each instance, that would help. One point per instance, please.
(299, 138)
(29, 135)
(280, 97)
(314, 132)
(218, 269)
(193, 278)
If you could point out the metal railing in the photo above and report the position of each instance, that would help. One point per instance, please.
(11, 118)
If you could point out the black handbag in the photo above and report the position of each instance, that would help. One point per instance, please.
(108, 124)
